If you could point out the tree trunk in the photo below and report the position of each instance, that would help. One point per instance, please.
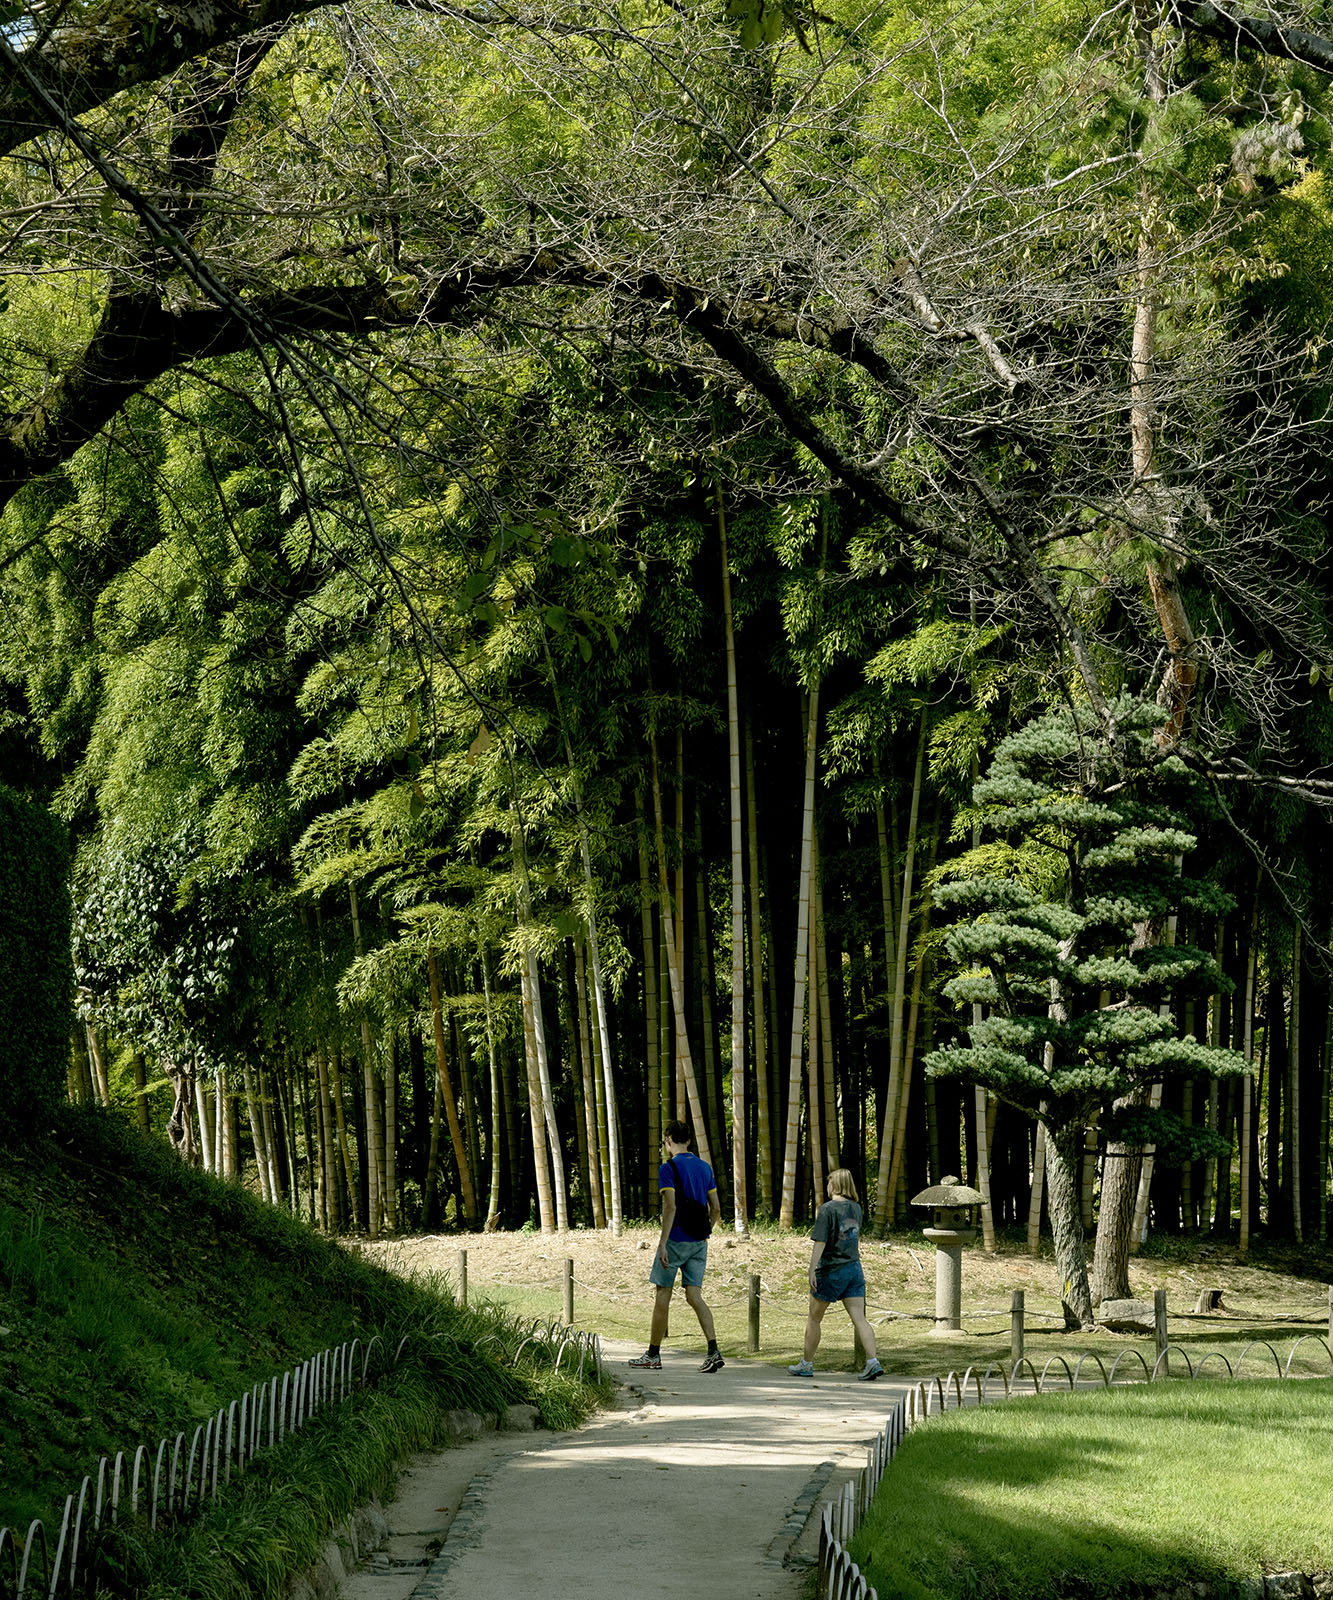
(1294, 1090)
(712, 1077)
(1063, 1148)
(672, 942)
(391, 1134)
(256, 1133)
(331, 1187)
(141, 1117)
(740, 1189)
(897, 1186)
(374, 1141)
(591, 1135)
(889, 1154)
(763, 1099)
(787, 1212)
(207, 1111)
(456, 1139)
(832, 1144)
(1038, 1185)
(814, 1092)
(498, 1103)
(344, 1142)
(100, 1079)
(651, 1005)
(984, 1122)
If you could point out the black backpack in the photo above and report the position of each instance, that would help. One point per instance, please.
(692, 1215)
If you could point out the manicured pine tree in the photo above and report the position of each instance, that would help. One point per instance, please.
(1088, 849)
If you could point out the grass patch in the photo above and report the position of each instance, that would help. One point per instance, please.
(137, 1297)
(1111, 1493)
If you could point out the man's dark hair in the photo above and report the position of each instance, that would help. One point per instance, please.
(677, 1132)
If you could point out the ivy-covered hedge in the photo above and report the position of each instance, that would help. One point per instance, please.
(36, 973)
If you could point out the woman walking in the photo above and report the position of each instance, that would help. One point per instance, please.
(835, 1274)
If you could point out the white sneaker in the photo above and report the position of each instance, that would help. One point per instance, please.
(802, 1369)
(871, 1371)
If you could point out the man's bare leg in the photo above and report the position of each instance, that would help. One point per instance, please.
(661, 1309)
(695, 1298)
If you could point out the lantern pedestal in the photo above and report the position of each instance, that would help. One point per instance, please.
(949, 1244)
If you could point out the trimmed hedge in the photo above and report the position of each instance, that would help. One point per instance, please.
(36, 969)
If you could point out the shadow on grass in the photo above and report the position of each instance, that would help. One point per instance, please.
(948, 1536)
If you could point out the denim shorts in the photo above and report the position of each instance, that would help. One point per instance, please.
(689, 1257)
(844, 1281)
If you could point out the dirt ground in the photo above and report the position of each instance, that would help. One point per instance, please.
(1272, 1296)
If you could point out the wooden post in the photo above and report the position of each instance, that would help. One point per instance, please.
(462, 1277)
(1159, 1317)
(569, 1290)
(752, 1343)
(1016, 1327)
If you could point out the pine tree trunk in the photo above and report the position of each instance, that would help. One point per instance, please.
(763, 1098)
(1063, 1149)
(890, 1156)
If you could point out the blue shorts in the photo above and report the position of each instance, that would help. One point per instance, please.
(844, 1281)
(689, 1257)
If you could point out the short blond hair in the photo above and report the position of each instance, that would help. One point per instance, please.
(841, 1183)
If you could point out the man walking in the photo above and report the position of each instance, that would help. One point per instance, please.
(690, 1211)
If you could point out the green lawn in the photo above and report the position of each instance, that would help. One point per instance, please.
(1107, 1493)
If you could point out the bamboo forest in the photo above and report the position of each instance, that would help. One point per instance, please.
(569, 566)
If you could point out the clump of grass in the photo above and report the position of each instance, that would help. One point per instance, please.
(1119, 1492)
(138, 1296)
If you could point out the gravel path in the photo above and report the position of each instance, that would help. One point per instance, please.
(703, 1481)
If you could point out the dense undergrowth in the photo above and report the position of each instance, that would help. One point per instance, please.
(138, 1296)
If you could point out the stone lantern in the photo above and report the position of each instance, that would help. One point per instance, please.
(953, 1224)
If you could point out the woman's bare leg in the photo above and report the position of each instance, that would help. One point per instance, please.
(856, 1310)
(814, 1317)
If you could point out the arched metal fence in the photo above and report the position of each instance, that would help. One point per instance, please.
(178, 1477)
(839, 1576)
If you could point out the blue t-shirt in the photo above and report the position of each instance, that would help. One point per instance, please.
(696, 1179)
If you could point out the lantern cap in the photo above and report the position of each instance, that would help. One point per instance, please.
(948, 1192)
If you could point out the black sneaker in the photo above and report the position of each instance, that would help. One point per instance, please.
(652, 1363)
(713, 1363)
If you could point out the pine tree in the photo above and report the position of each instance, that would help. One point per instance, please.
(1077, 1000)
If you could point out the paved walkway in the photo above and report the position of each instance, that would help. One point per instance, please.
(703, 1483)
